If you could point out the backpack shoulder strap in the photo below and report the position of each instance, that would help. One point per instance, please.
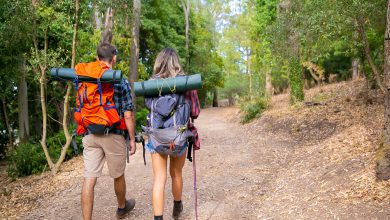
(151, 113)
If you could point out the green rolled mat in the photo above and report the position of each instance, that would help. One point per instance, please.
(168, 85)
(113, 76)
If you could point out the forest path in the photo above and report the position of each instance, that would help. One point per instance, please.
(242, 174)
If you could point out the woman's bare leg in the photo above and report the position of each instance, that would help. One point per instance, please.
(159, 163)
(175, 169)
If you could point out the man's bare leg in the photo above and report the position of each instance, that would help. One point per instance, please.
(87, 197)
(120, 190)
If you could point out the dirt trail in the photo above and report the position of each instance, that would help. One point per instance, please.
(224, 164)
(242, 174)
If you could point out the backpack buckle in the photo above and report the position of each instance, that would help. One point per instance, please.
(106, 131)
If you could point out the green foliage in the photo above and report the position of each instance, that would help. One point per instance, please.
(140, 118)
(338, 64)
(327, 35)
(227, 45)
(56, 142)
(253, 109)
(234, 85)
(280, 75)
(162, 25)
(3, 141)
(26, 159)
(29, 158)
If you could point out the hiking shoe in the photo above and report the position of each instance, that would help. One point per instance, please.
(122, 212)
(177, 209)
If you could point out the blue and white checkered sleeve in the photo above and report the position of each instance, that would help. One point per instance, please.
(127, 101)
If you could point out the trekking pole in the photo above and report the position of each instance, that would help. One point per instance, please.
(195, 189)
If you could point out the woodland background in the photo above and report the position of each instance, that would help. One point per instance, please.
(247, 51)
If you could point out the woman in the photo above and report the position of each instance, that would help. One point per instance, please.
(167, 64)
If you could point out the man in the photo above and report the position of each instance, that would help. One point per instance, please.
(110, 146)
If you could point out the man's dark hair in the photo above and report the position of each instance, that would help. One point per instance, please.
(106, 51)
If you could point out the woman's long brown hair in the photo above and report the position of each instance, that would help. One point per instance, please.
(167, 64)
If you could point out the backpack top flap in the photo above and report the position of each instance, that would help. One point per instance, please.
(164, 105)
(92, 69)
(168, 110)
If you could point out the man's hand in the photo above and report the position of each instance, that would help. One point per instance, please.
(132, 147)
(130, 124)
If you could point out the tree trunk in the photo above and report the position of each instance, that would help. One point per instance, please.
(107, 32)
(315, 77)
(248, 71)
(68, 137)
(355, 68)
(186, 9)
(42, 84)
(7, 123)
(24, 126)
(268, 85)
(215, 98)
(96, 17)
(37, 125)
(367, 51)
(126, 18)
(383, 152)
(231, 99)
(134, 50)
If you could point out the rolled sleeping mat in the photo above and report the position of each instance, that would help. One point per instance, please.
(113, 76)
(160, 86)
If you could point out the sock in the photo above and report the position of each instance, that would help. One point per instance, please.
(158, 217)
(176, 202)
(122, 209)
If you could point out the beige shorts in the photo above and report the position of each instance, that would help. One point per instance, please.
(101, 148)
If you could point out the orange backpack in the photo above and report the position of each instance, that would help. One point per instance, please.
(95, 111)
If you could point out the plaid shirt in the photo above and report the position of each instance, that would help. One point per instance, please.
(122, 97)
(123, 102)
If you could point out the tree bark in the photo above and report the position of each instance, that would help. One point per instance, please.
(7, 123)
(96, 17)
(68, 137)
(268, 85)
(383, 153)
(37, 125)
(42, 83)
(248, 71)
(24, 126)
(107, 32)
(231, 99)
(186, 9)
(126, 18)
(134, 50)
(367, 51)
(355, 68)
(215, 98)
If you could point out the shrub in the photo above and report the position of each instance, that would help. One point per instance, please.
(26, 159)
(253, 109)
(140, 118)
(29, 158)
